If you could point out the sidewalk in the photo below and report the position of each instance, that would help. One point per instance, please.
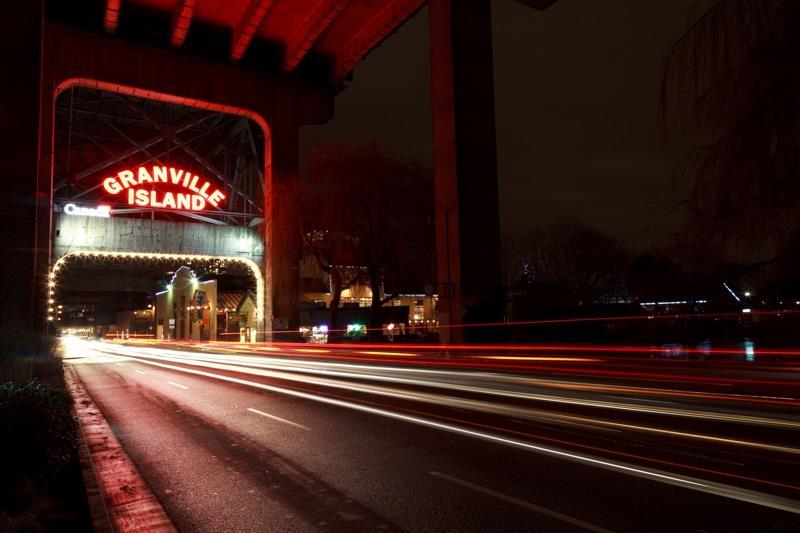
(119, 499)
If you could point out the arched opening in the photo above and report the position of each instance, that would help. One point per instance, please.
(234, 220)
(165, 261)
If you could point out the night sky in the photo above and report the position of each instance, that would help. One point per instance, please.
(577, 91)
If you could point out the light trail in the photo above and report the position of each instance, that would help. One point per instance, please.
(536, 358)
(687, 482)
(537, 415)
(564, 347)
(288, 372)
(471, 361)
(389, 354)
(559, 383)
(574, 320)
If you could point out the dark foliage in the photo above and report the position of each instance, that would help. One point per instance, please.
(38, 431)
(589, 263)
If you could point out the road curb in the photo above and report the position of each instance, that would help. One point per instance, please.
(119, 499)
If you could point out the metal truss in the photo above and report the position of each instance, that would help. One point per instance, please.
(98, 132)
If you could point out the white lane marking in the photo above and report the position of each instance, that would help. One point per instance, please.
(142, 372)
(686, 482)
(279, 419)
(119, 364)
(177, 385)
(521, 503)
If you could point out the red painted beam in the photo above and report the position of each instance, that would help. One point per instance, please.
(387, 20)
(111, 18)
(312, 27)
(247, 26)
(181, 22)
(538, 4)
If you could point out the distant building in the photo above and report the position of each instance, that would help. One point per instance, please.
(136, 323)
(236, 316)
(409, 310)
(187, 310)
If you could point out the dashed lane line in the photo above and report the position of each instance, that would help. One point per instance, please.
(522, 503)
(279, 419)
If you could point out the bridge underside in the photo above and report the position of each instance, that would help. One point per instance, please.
(278, 64)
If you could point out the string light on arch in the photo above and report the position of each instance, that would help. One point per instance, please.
(156, 256)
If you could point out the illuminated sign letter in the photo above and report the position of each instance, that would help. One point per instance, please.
(112, 185)
(215, 198)
(175, 175)
(169, 200)
(127, 179)
(142, 190)
(142, 198)
(193, 184)
(184, 201)
(144, 176)
(160, 174)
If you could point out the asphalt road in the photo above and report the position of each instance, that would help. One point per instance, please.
(292, 439)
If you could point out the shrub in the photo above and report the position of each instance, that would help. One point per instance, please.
(38, 434)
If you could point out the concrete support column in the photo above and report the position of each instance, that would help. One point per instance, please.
(20, 155)
(465, 167)
(283, 237)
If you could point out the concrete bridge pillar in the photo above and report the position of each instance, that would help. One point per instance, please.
(283, 232)
(465, 167)
(20, 149)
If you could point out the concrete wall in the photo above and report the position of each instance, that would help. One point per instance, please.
(76, 233)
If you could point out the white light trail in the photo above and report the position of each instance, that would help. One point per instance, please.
(687, 482)
(290, 371)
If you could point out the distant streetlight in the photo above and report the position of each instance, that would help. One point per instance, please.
(747, 293)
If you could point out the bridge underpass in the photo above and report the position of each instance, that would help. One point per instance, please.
(101, 293)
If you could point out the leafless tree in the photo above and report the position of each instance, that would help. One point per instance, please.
(733, 77)
(335, 254)
(373, 209)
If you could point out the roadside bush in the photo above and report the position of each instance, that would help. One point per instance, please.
(38, 434)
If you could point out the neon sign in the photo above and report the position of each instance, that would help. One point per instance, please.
(102, 211)
(192, 193)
